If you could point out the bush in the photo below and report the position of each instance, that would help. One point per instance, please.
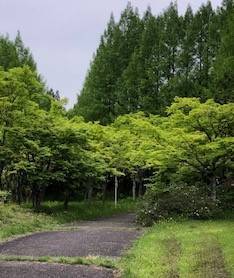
(4, 196)
(185, 201)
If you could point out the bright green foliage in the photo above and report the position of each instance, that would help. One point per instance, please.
(41, 150)
(23, 121)
(197, 150)
(38, 147)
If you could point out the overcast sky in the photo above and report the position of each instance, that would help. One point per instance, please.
(63, 35)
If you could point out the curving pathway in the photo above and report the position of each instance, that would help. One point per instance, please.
(106, 237)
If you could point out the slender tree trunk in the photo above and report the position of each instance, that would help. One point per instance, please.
(90, 194)
(134, 189)
(37, 195)
(18, 194)
(1, 171)
(214, 191)
(104, 191)
(18, 190)
(38, 202)
(33, 197)
(66, 200)
(140, 188)
(85, 196)
(116, 190)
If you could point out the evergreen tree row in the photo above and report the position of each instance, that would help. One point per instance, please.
(141, 64)
(15, 54)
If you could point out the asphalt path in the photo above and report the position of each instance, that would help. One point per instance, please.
(107, 237)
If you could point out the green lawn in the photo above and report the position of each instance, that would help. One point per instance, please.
(188, 249)
(19, 220)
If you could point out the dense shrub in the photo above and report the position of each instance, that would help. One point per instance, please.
(185, 201)
(4, 196)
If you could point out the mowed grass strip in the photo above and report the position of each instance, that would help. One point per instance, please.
(185, 249)
(20, 220)
(209, 260)
(171, 256)
(91, 260)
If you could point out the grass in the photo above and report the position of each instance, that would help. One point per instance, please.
(91, 260)
(185, 249)
(20, 220)
(170, 249)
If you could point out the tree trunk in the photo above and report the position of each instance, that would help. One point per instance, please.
(116, 190)
(104, 191)
(18, 190)
(140, 188)
(33, 197)
(18, 195)
(134, 189)
(214, 191)
(37, 196)
(66, 200)
(36, 202)
(90, 194)
(38, 199)
(1, 171)
(85, 196)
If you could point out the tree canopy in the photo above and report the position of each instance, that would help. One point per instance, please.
(155, 115)
(142, 64)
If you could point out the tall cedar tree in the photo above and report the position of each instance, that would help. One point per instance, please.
(223, 77)
(143, 64)
(15, 54)
(98, 98)
(136, 88)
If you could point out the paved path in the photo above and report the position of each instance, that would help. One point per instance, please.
(104, 237)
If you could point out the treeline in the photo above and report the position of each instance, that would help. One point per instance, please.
(141, 64)
(182, 157)
(15, 54)
(41, 149)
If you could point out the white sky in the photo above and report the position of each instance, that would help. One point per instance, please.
(63, 35)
